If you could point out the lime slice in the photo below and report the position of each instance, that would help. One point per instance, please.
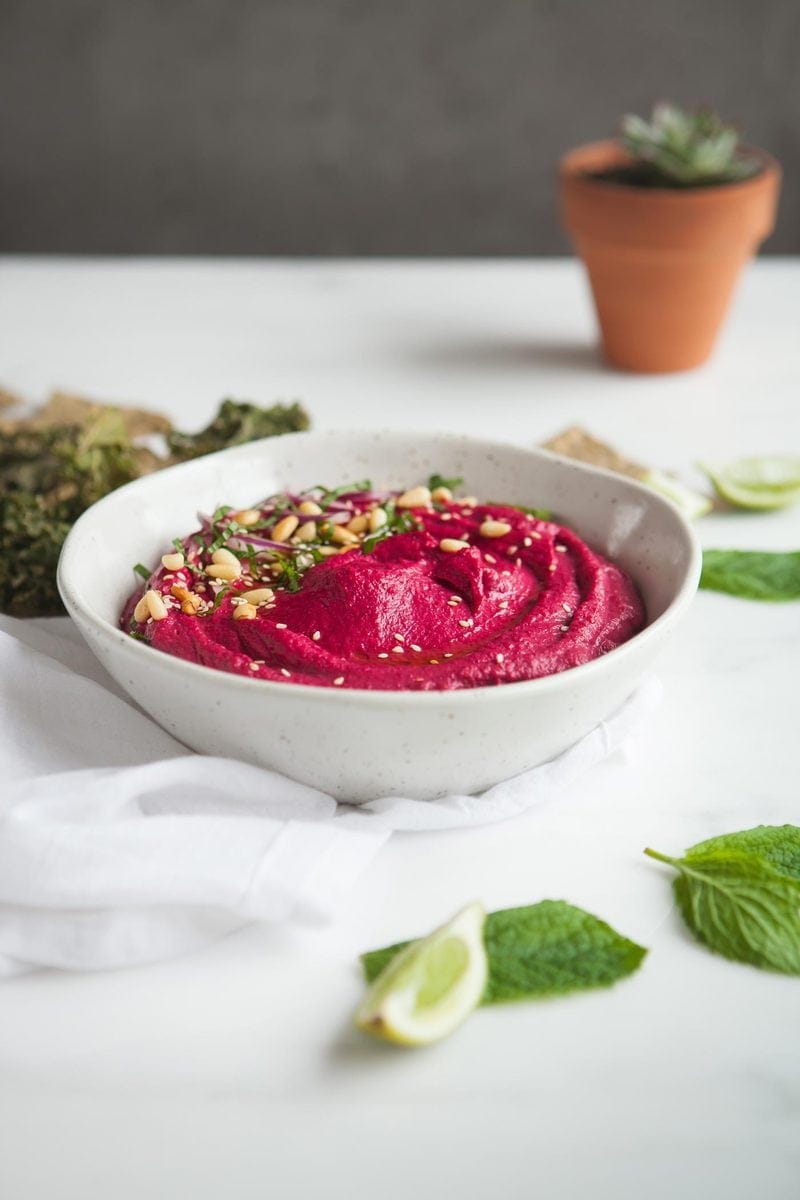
(431, 986)
(757, 482)
(692, 504)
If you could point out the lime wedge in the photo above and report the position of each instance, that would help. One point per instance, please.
(431, 986)
(692, 504)
(757, 482)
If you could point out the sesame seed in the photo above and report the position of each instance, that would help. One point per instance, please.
(498, 658)
(564, 628)
(504, 605)
(397, 649)
(434, 662)
(447, 654)
(490, 558)
(280, 625)
(511, 551)
(526, 541)
(417, 649)
(536, 534)
(466, 624)
(561, 549)
(338, 681)
(316, 635)
(566, 607)
(288, 674)
(456, 599)
(445, 516)
(383, 654)
(505, 572)
(454, 603)
(551, 566)
(398, 637)
(253, 666)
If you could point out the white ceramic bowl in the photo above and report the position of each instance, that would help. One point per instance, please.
(359, 744)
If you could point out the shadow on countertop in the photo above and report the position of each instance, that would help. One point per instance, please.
(476, 354)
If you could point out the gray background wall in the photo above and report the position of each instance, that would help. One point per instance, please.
(354, 126)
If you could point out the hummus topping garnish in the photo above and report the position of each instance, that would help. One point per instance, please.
(358, 588)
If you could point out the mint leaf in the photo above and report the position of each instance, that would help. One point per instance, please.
(752, 574)
(543, 949)
(739, 894)
(777, 845)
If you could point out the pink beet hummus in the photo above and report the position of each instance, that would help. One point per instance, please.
(375, 590)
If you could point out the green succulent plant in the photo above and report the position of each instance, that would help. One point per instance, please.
(681, 147)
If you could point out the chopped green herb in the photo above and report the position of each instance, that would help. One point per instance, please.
(363, 485)
(541, 514)
(219, 541)
(439, 481)
(289, 574)
(140, 569)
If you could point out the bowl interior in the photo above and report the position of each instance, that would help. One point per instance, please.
(629, 523)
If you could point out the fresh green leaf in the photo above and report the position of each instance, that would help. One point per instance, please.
(543, 949)
(740, 895)
(438, 481)
(752, 574)
(777, 845)
(142, 570)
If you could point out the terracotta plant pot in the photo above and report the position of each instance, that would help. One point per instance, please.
(662, 262)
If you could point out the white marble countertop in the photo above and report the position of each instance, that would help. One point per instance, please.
(234, 1072)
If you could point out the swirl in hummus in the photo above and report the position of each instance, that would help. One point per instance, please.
(393, 591)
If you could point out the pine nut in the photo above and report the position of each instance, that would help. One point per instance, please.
(308, 508)
(285, 528)
(327, 551)
(258, 595)
(155, 605)
(452, 545)
(442, 495)
(172, 562)
(224, 571)
(306, 532)
(418, 497)
(343, 536)
(224, 558)
(377, 518)
(494, 529)
(245, 612)
(246, 516)
(142, 610)
(358, 524)
(338, 681)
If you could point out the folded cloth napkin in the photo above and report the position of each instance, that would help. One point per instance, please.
(118, 845)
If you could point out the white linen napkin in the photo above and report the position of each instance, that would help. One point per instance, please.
(118, 845)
